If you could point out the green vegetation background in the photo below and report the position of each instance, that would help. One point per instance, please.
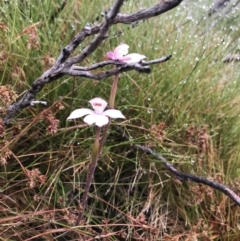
(187, 109)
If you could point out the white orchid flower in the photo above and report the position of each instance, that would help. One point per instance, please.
(120, 54)
(97, 116)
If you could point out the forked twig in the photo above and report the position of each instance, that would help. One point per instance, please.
(65, 65)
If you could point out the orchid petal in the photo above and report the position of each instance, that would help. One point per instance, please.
(110, 55)
(102, 121)
(112, 113)
(80, 113)
(120, 51)
(124, 59)
(98, 104)
(132, 58)
(90, 119)
(99, 120)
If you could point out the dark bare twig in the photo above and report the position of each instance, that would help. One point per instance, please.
(189, 177)
(160, 8)
(185, 176)
(88, 30)
(99, 38)
(142, 67)
(118, 63)
(79, 71)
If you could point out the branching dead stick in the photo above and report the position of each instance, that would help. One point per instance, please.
(88, 30)
(118, 63)
(158, 9)
(64, 62)
(100, 37)
(79, 71)
(142, 67)
(185, 176)
(55, 72)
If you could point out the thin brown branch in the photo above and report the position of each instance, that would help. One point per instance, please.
(118, 63)
(142, 67)
(160, 8)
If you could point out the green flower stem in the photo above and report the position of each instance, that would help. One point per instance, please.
(111, 105)
(96, 150)
(113, 91)
(91, 170)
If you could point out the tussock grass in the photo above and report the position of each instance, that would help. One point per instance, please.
(187, 109)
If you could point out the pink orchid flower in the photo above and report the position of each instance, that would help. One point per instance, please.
(97, 115)
(120, 54)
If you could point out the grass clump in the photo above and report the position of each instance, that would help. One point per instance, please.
(187, 109)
